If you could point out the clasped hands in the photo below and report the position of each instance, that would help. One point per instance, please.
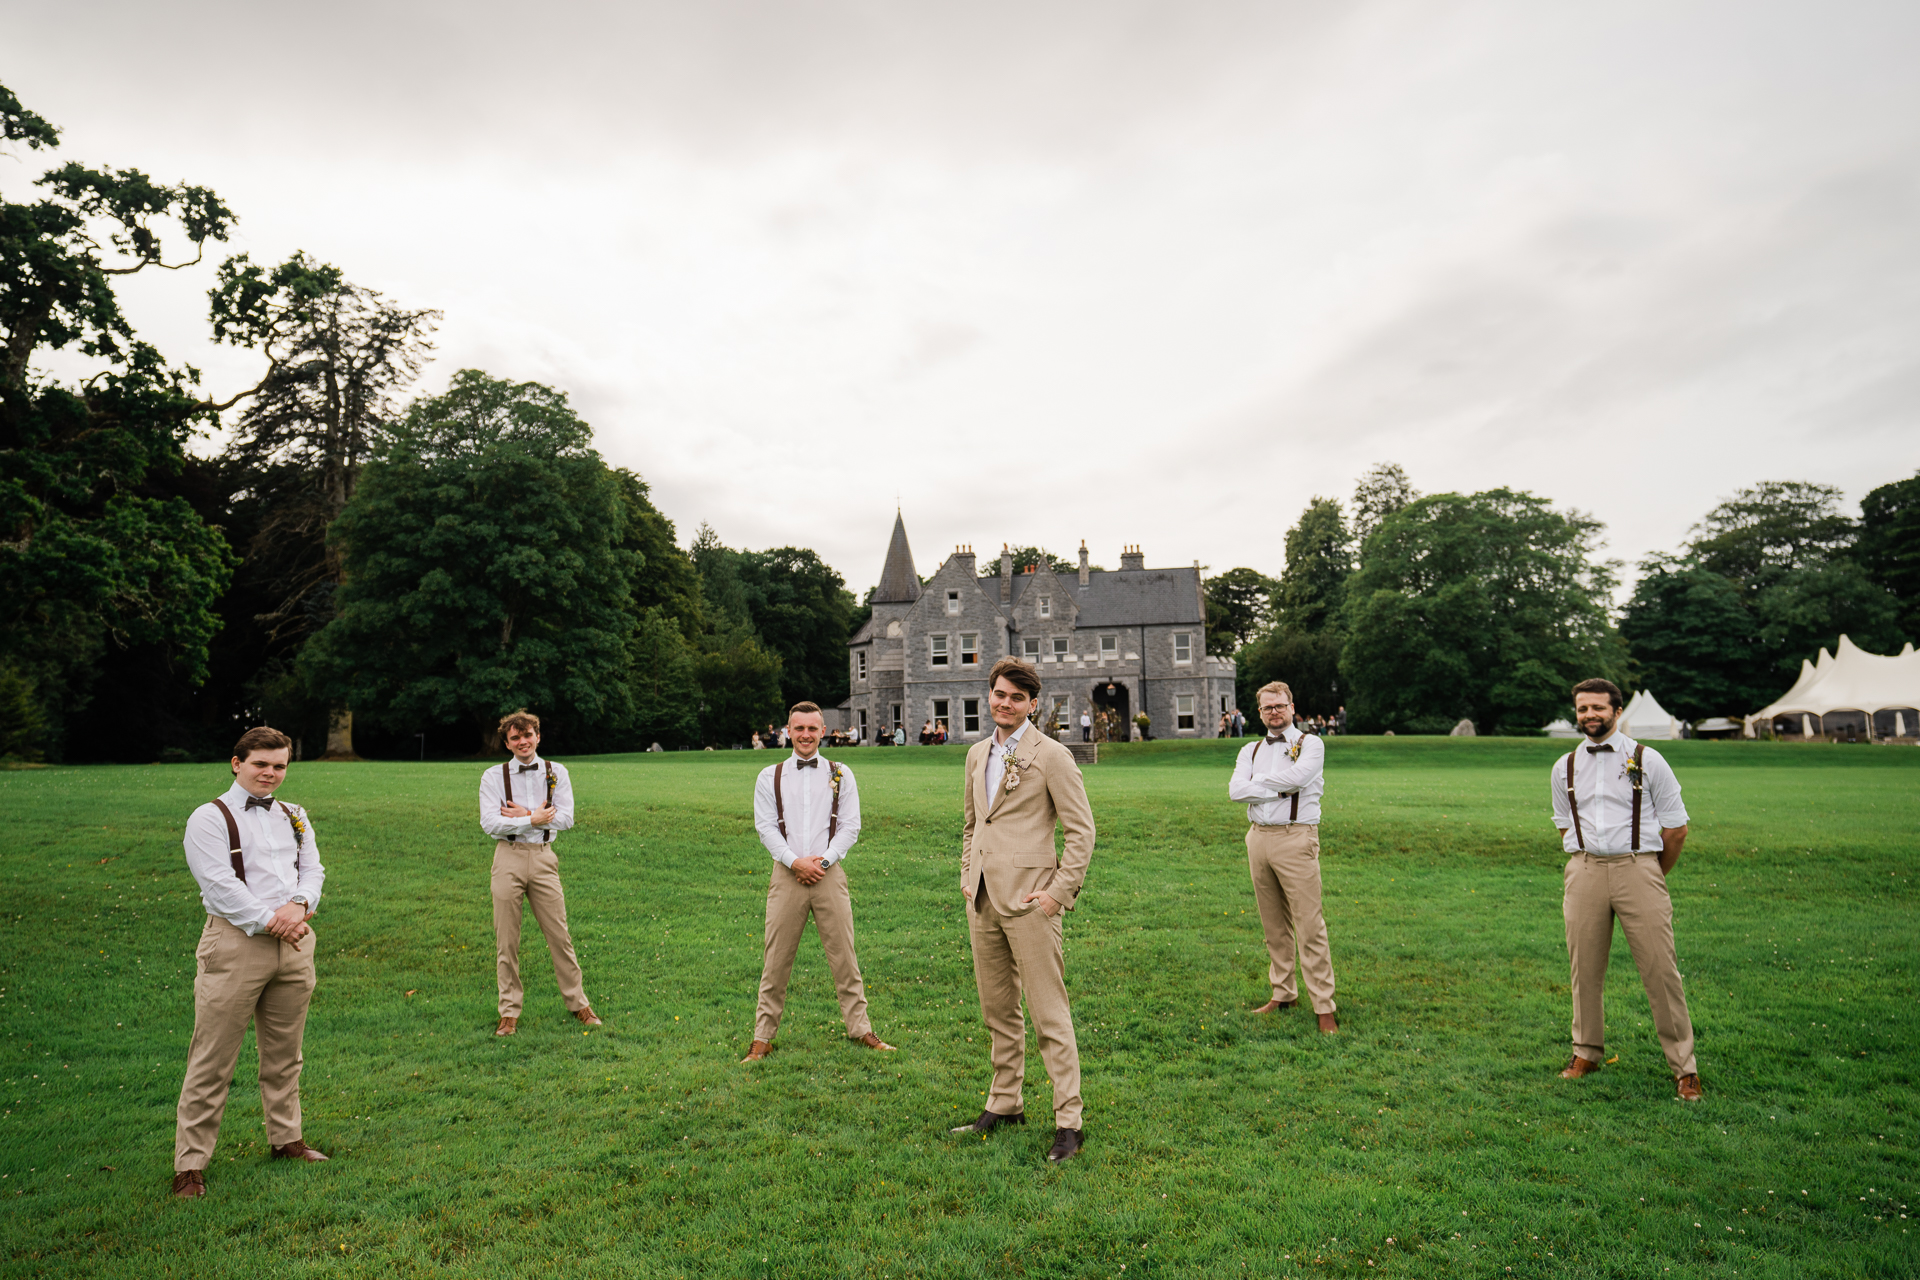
(289, 924)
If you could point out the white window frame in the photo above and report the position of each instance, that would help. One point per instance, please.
(953, 603)
(860, 656)
(1046, 606)
(1183, 642)
(1109, 648)
(970, 715)
(1062, 710)
(938, 655)
(969, 648)
(1030, 648)
(1183, 716)
(941, 714)
(1062, 648)
(864, 735)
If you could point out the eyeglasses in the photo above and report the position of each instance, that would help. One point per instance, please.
(1274, 706)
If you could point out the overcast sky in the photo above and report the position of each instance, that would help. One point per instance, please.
(1114, 270)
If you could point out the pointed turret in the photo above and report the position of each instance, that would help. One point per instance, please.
(899, 584)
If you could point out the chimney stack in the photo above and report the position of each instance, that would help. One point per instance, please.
(1083, 562)
(1132, 558)
(964, 554)
(1006, 574)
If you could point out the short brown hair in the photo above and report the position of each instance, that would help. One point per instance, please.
(803, 709)
(261, 739)
(1272, 686)
(1020, 675)
(1608, 687)
(521, 719)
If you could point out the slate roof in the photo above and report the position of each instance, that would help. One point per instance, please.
(1128, 597)
(899, 584)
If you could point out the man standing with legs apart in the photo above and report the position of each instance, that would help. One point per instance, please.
(807, 812)
(258, 867)
(1609, 798)
(1020, 784)
(1280, 779)
(524, 804)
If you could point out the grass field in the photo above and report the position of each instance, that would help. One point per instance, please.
(1430, 1137)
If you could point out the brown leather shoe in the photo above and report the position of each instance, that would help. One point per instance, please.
(1066, 1145)
(873, 1041)
(587, 1016)
(1688, 1087)
(989, 1121)
(760, 1049)
(190, 1184)
(507, 1026)
(297, 1150)
(1275, 1006)
(1578, 1067)
(1328, 1023)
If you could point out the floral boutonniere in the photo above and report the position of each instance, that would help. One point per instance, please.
(299, 825)
(1635, 773)
(1014, 764)
(1293, 752)
(833, 777)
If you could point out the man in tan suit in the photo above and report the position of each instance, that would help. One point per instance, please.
(524, 804)
(1020, 784)
(807, 811)
(257, 863)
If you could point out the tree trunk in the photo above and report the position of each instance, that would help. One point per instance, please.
(340, 735)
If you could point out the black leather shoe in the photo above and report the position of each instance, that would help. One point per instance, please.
(989, 1121)
(1066, 1145)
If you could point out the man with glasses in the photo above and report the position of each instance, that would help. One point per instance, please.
(1279, 779)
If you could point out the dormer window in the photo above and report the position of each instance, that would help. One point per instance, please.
(1046, 606)
(953, 602)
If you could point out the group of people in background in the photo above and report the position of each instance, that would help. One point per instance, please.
(256, 860)
(1234, 725)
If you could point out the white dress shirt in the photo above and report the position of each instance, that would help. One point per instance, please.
(279, 865)
(529, 792)
(997, 760)
(808, 797)
(1265, 779)
(1605, 796)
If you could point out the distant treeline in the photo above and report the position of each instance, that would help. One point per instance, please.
(1416, 612)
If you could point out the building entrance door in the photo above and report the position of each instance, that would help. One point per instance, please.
(1111, 712)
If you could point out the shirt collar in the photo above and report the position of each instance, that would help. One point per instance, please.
(1618, 740)
(536, 762)
(237, 794)
(1012, 738)
(797, 758)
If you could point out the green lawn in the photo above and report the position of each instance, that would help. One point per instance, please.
(1431, 1137)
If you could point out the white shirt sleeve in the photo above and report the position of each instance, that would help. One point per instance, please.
(1285, 775)
(224, 894)
(311, 875)
(491, 798)
(849, 829)
(767, 822)
(1557, 787)
(1245, 788)
(1664, 790)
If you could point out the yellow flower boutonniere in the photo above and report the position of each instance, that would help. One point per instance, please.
(833, 777)
(299, 825)
(1293, 752)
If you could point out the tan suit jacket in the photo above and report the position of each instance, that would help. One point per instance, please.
(1012, 847)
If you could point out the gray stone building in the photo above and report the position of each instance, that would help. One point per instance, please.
(1120, 640)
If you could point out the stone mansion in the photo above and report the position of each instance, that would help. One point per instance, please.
(1117, 641)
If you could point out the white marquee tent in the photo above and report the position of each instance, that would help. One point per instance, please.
(1645, 720)
(1883, 689)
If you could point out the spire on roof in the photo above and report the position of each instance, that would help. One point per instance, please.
(899, 584)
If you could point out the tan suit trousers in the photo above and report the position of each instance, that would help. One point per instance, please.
(240, 980)
(1285, 865)
(1022, 953)
(1630, 887)
(789, 903)
(525, 869)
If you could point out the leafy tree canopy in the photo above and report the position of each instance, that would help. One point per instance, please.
(1319, 560)
(1771, 529)
(1889, 547)
(1383, 489)
(1239, 607)
(485, 569)
(1694, 641)
(1487, 606)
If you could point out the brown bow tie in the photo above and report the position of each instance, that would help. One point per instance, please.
(255, 802)
(1603, 747)
(806, 764)
(1281, 738)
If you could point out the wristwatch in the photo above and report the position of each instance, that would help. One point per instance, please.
(302, 901)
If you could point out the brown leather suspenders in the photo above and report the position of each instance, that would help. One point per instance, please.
(1639, 775)
(506, 783)
(780, 807)
(1293, 813)
(233, 839)
(1573, 805)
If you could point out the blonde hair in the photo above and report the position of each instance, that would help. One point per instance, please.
(1273, 686)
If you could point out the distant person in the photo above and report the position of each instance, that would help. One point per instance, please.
(524, 804)
(1340, 719)
(1280, 778)
(940, 733)
(1609, 798)
(257, 862)
(807, 811)
(900, 735)
(926, 733)
(1086, 726)
(1020, 785)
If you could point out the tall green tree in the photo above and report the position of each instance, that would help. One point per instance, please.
(1694, 641)
(1487, 606)
(1382, 490)
(1239, 607)
(92, 558)
(341, 355)
(1889, 548)
(665, 681)
(667, 579)
(1760, 534)
(1313, 585)
(484, 571)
